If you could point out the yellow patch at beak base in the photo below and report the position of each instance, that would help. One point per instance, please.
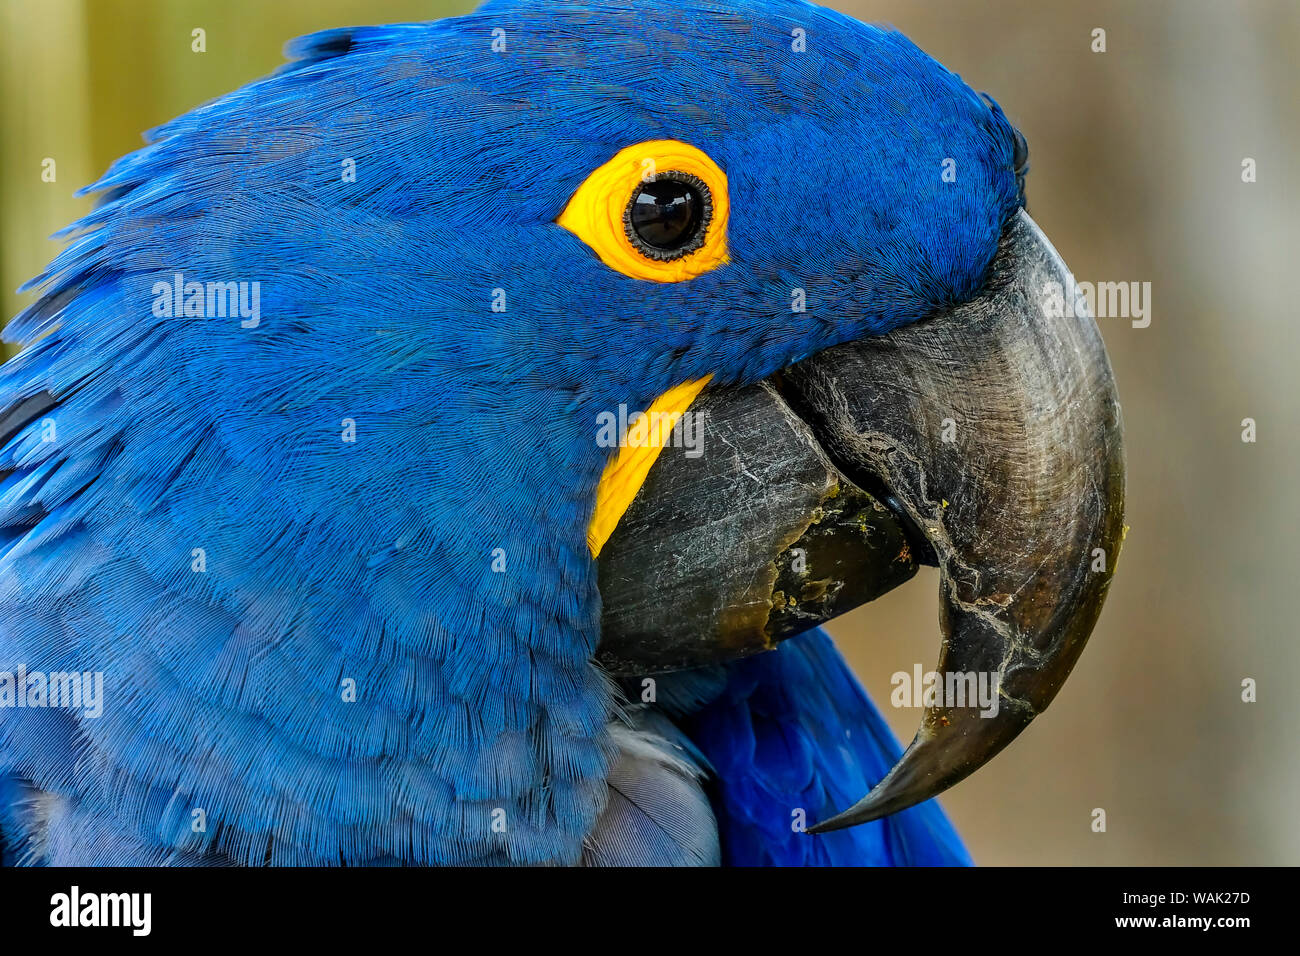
(638, 451)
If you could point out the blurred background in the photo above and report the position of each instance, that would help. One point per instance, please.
(1137, 177)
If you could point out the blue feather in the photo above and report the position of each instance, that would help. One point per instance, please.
(793, 739)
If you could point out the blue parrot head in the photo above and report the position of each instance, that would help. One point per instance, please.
(351, 331)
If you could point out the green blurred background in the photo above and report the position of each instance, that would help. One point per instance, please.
(1136, 176)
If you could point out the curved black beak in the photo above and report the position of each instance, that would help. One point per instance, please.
(986, 439)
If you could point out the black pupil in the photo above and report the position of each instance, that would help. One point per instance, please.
(666, 213)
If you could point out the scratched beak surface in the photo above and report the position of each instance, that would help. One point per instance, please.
(985, 439)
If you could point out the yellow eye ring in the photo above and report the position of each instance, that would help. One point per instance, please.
(599, 212)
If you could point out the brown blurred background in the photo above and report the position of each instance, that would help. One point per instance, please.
(1137, 161)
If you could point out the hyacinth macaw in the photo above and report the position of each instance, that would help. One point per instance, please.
(307, 453)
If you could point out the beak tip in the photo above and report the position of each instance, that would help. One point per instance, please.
(840, 821)
(880, 802)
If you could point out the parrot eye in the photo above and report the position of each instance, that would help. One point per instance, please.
(668, 216)
(656, 211)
